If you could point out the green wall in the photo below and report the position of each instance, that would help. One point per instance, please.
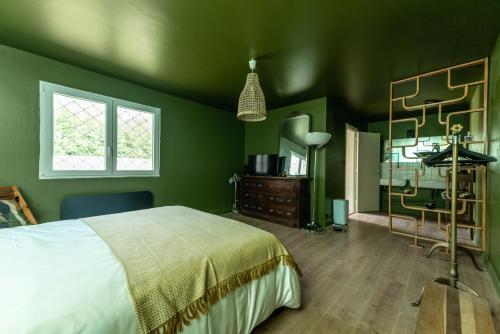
(326, 115)
(201, 146)
(493, 258)
(263, 137)
(338, 116)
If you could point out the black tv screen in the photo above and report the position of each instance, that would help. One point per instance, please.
(263, 164)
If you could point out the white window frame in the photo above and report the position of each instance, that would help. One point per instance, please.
(46, 170)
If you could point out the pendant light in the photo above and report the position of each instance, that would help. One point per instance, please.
(252, 104)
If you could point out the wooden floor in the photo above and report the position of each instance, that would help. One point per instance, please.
(361, 281)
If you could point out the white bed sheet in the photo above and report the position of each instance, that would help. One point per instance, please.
(61, 277)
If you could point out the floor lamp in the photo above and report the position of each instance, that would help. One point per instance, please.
(316, 140)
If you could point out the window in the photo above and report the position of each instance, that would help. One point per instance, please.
(89, 135)
(298, 164)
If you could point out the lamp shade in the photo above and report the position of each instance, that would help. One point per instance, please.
(252, 104)
(317, 138)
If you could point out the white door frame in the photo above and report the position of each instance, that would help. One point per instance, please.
(351, 167)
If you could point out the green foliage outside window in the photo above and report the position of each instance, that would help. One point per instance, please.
(74, 136)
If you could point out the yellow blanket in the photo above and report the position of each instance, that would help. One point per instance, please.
(179, 261)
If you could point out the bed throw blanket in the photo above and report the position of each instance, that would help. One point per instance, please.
(179, 261)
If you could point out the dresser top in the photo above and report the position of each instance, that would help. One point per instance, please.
(278, 177)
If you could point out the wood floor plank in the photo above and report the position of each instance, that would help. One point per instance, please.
(362, 280)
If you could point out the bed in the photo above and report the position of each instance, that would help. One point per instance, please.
(71, 277)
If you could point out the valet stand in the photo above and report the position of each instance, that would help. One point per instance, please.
(463, 157)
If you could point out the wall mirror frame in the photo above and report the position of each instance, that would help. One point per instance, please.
(293, 153)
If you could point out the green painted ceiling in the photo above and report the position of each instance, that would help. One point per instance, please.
(305, 49)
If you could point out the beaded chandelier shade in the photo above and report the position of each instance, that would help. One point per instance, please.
(252, 104)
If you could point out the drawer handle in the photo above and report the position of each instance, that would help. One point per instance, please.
(271, 198)
(271, 210)
(259, 185)
(260, 208)
(288, 214)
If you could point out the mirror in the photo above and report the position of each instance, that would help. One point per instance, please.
(424, 147)
(293, 151)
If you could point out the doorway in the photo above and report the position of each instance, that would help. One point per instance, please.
(362, 169)
(351, 165)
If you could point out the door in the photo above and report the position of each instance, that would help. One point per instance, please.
(350, 167)
(368, 172)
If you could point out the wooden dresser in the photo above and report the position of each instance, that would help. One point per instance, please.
(278, 199)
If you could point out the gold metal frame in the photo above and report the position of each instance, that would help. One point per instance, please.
(452, 279)
(462, 203)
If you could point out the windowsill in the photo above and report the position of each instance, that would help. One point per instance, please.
(50, 177)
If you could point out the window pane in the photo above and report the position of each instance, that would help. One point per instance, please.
(134, 139)
(303, 167)
(294, 164)
(79, 141)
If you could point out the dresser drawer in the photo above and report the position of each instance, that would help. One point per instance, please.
(247, 195)
(276, 199)
(283, 188)
(249, 206)
(252, 185)
(283, 211)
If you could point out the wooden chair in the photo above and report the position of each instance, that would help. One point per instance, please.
(13, 193)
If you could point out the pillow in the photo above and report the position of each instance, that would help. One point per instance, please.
(11, 215)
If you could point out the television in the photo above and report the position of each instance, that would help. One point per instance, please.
(263, 164)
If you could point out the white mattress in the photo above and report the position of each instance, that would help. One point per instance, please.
(61, 277)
